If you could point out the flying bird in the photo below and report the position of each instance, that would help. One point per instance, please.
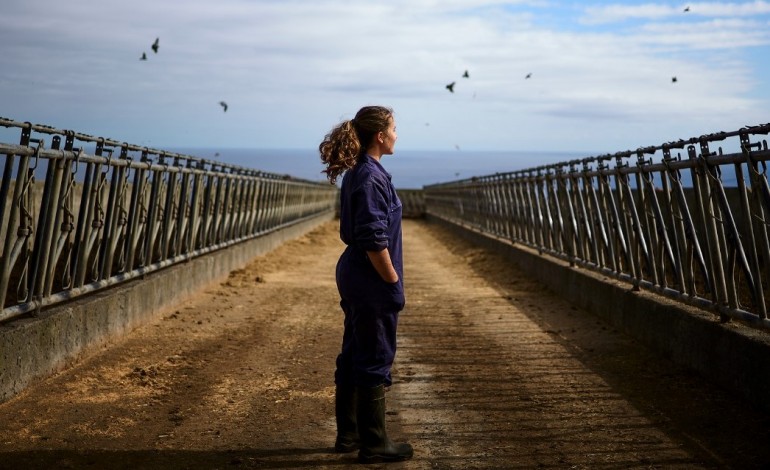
(687, 9)
(465, 75)
(155, 45)
(451, 87)
(673, 79)
(144, 56)
(223, 105)
(529, 75)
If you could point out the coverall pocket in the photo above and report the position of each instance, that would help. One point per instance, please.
(396, 291)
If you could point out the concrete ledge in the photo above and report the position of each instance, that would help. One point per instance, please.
(34, 348)
(734, 356)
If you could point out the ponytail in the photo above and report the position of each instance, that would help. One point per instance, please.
(348, 141)
(340, 150)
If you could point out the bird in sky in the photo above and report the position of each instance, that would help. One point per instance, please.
(529, 75)
(223, 105)
(155, 45)
(451, 87)
(673, 79)
(465, 75)
(144, 56)
(687, 8)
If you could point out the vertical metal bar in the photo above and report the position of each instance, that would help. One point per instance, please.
(593, 216)
(95, 237)
(544, 210)
(675, 221)
(221, 207)
(533, 228)
(153, 216)
(256, 204)
(751, 268)
(660, 244)
(89, 200)
(182, 213)
(5, 188)
(645, 222)
(110, 236)
(227, 229)
(238, 200)
(572, 232)
(64, 221)
(601, 242)
(208, 210)
(16, 234)
(169, 211)
(195, 209)
(135, 213)
(760, 202)
(583, 232)
(45, 224)
(617, 241)
(282, 206)
(272, 204)
(708, 222)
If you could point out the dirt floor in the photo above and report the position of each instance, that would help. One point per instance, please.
(492, 372)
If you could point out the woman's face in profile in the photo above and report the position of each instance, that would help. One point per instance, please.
(389, 138)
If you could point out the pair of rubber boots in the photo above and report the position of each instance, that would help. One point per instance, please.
(360, 415)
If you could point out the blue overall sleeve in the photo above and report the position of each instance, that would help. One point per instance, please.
(371, 212)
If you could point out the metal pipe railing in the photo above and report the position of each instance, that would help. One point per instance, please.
(680, 227)
(121, 211)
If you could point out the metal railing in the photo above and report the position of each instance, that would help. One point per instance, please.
(412, 202)
(693, 228)
(123, 211)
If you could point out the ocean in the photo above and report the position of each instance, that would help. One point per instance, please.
(411, 169)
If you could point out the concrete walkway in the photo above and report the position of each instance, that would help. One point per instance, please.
(492, 371)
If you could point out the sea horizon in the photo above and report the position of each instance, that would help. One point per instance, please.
(410, 169)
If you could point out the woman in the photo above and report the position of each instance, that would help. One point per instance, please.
(369, 280)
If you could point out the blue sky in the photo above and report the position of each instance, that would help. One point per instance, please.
(291, 69)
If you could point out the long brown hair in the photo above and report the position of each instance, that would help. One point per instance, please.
(349, 140)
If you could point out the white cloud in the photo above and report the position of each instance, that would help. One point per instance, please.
(290, 69)
(615, 13)
(713, 34)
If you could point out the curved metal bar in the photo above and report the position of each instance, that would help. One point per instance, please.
(696, 235)
(104, 219)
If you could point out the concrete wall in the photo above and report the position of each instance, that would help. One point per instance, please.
(731, 355)
(34, 348)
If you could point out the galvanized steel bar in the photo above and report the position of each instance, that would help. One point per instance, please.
(120, 211)
(702, 240)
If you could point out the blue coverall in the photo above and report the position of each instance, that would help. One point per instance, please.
(370, 220)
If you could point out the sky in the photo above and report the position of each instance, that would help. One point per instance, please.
(290, 70)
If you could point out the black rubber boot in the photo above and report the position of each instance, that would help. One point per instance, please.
(375, 445)
(347, 427)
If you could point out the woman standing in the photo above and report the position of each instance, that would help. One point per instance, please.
(369, 280)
